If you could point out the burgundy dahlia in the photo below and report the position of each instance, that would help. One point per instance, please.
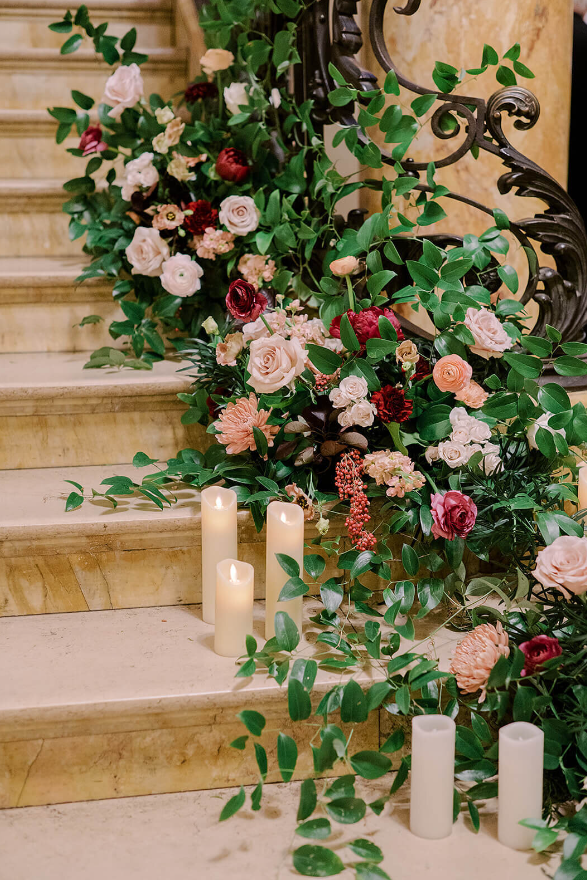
(244, 301)
(198, 91)
(232, 165)
(91, 141)
(537, 651)
(423, 369)
(366, 324)
(203, 217)
(392, 404)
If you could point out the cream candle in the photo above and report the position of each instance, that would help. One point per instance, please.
(219, 540)
(432, 776)
(235, 586)
(285, 534)
(583, 488)
(521, 759)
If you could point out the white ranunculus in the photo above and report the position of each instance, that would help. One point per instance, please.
(164, 115)
(216, 59)
(123, 89)
(141, 171)
(542, 422)
(235, 96)
(181, 275)
(146, 252)
(239, 214)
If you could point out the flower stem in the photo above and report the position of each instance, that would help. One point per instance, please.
(266, 324)
(351, 291)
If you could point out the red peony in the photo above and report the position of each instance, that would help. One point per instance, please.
(366, 324)
(232, 165)
(197, 91)
(392, 405)
(454, 515)
(204, 216)
(91, 141)
(244, 301)
(537, 651)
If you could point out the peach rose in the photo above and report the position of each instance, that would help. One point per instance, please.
(216, 59)
(227, 351)
(491, 340)
(146, 252)
(472, 395)
(476, 655)
(563, 565)
(407, 352)
(123, 89)
(344, 266)
(452, 373)
(274, 362)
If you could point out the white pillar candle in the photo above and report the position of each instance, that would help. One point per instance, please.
(432, 776)
(285, 534)
(583, 488)
(521, 761)
(235, 586)
(219, 540)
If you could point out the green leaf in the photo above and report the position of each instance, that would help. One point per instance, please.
(141, 459)
(570, 366)
(316, 829)
(505, 76)
(308, 799)
(286, 632)
(239, 743)
(314, 565)
(298, 700)
(287, 756)
(378, 349)
(129, 39)
(430, 593)
(393, 743)
(424, 276)
(369, 871)
(403, 699)
(410, 560)
(331, 594)
(348, 335)
(326, 361)
(347, 810)
(525, 364)
(253, 721)
(233, 805)
(72, 44)
(261, 756)
(370, 765)
(316, 861)
(474, 814)
(290, 566)
(391, 85)
(509, 276)
(523, 703)
(74, 499)
(553, 398)
(83, 101)
(577, 349)
(468, 744)
(61, 27)
(256, 796)
(483, 791)
(361, 564)
(260, 442)
(366, 850)
(292, 588)
(422, 105)
(353, 707)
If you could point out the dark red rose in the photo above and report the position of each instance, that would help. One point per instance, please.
(392, 405)
(244, 301)
(423, 369)
(537, 651)
(91, 141)
(232, 165)
(454, 515)
(366, 324)
(197, 91)
(204, 215)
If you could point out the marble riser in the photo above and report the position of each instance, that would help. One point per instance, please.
(34, 233)
(20, 80)
(52, 326)
(35, 154)
(32, 30)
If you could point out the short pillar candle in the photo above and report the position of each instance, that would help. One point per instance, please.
(583, 488)
(235, 586)
(432, 776)
(285, 534)
(219, 540)
(521, 761)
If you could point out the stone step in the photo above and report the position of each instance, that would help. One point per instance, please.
(41, 307)
(39, 78)
(94, 558)
(29, 150)
(147, 838)
(54, 413)
(119, 703)
(32, 222)
(25, 23)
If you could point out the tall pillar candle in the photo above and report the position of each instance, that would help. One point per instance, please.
(285, 534)
(432, 776)
(583, 488)
(235, 586)
(219, 540)
(521, 759)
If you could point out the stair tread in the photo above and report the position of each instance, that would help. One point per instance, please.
(37, 508)
(92, 5)
(86, 664)
(165, 836)
(61, 374)
(45, 272)
(51, 55)
(29, 186)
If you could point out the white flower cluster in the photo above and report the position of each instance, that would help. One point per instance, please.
(139, 173)
(469, 435)
(351, 398)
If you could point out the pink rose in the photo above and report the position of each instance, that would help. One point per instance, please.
(491, 340)
(537, 651)
(91, 141)
(274, 362)
(563, 565)
(123, 89)
(454, 515)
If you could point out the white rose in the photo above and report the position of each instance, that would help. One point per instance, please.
(123, 89)
(275, 98)
(235, 95)
(431, 454)
(181, 275)
(146, 252)
(164, 115)
(454, 454)
(345, 419)
(141, 171)
(362, 414)
(354, 388)
(333, 344)
(216, 59)
(239, 214)
(542, 422)
(491, 461)
(274, 362)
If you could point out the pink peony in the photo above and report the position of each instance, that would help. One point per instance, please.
(454, 515)
(563, 565)
(366, 324)
(236, 423)
(476, 655)
(537, 651)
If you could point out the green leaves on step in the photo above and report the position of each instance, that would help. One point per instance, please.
(253, 721)
(233, 805)
(316, 861)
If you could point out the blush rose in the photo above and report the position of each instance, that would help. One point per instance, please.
(274, 362)
(454, 515)
(563, 565)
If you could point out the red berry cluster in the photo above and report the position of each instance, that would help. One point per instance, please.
(322, 381)
(350, 485)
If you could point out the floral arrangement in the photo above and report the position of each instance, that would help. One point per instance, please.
(454, 453)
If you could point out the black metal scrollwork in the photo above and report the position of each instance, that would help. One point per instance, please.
(561, 292)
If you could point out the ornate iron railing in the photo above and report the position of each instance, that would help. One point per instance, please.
(331, 34)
